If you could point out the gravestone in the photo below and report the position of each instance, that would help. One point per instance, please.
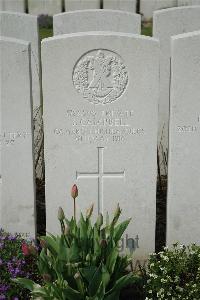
(25, 27)
(12, 5)
(98, 131)
(178, 20)
(184, 146)
(44, 7)
(147, 7)
(81, 4)
(127, 5)
(96, 20)
(188, 2)
(17, 191)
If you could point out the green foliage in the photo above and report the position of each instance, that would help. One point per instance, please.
(174, 274)
(84, 261)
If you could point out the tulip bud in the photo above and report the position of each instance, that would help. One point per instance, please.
(100, 220)
(117, 214)
(103, 243)
(61, 214)
(74, 191)
(25, 249)
(89, 211)
(32, 250)
(77, 275)
(46, 277)
(43, 244)
(88, 257)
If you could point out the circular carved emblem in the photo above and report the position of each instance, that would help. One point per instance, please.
(100, 76)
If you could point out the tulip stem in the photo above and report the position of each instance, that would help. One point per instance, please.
(75, 209)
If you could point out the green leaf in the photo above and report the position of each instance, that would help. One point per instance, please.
(95, 282)
(52, 244)
(119, 230)
(113, 296)
(121, 283)
(111, 260)
(72, 294)
(26, 283)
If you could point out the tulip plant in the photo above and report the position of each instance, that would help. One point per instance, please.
(83, 263)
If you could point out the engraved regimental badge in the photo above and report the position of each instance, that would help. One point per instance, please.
(100, 76)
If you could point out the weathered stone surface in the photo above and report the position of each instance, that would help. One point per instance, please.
(12, 5)
(178, 20)
(81, 4)
(188, 2)
(25, 27)
(127, 5)
(147, 7)
(17, 192)
(184, 146)
(44, 7)
(96, 20)
(99, 133)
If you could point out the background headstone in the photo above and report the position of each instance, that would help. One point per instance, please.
(12, 5)
(98, 130)
(167, 23)
(184, 148)
(25, 27)
(44, 7)
(17, 192)
(96, 20)
(147, 7)
(82, 4)
(127, 5)
(188, 2)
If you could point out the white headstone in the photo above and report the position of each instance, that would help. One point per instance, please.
(44, 7)
(81, 4)
(25, 27)
(12, 5)
(17, 192)
(99, 133)
(147, 7)
(96, 20)
(184, 147)
(178, 20)
(188, 2)
(127, 5)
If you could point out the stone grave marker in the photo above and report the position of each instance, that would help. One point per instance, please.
(25, 27)
(188, 2)
(81, 4)
(98, 131)
(147, 7)
(44, 7)
(184, 159)
(127, 5)
(179, 20)
(96, 20)
(17, 191)
(12, 5)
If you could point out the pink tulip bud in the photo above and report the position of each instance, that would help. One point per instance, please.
(74, 191)
(25, 249)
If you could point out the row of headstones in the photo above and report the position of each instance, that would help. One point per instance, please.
(51, 7)
(101, 124)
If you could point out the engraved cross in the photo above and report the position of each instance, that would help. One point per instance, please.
(100, 175)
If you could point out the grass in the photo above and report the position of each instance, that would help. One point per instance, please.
(45, 33)
(48, 32)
